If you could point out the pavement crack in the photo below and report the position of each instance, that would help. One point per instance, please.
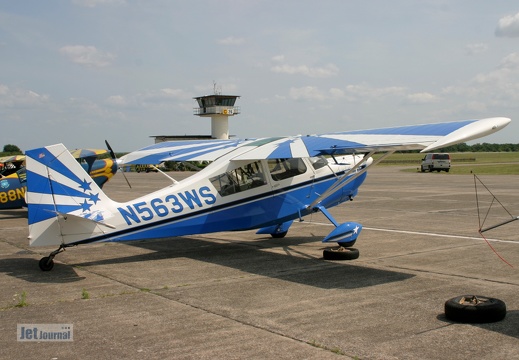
(156, 292)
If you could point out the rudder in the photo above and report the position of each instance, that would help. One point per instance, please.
(58, 185)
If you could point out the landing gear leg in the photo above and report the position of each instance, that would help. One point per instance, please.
(47, 263)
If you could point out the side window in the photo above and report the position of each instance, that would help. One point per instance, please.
(240, 179)
(318, 162)
(281, 169)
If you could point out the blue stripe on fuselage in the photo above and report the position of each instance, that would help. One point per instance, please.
(252, 212)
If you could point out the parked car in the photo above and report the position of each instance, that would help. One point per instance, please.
(436, 162)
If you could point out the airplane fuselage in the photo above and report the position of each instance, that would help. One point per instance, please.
(196, 207)
(225, 196)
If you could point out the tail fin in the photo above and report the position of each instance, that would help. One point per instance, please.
(65, 204)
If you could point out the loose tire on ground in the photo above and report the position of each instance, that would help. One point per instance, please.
(475, 309)
(341, 253)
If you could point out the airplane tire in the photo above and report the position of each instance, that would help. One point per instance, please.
(347, 243)
(279, 235)
(45, 264)
(341, 253)
(475, 309)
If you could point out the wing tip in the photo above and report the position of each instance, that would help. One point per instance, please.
(474, 130)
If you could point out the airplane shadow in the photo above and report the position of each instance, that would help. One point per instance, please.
(250, 257)
(13, 214)
(27, 269)
(508, 326)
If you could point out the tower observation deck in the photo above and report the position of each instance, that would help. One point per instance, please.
(218, 108)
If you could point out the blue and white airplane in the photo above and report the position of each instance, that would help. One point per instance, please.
(262, 184)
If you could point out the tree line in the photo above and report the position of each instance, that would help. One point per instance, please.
(12, 149)
(483, 147)
(463, 147)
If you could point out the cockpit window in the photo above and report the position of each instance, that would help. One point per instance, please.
(281, 169)
(240, 179)
(22, 174)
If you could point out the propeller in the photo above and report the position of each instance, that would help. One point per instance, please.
(114, 158)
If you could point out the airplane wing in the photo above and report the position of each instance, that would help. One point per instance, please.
(424, 137)
(83, 153)
(12, 158)
(189, 150)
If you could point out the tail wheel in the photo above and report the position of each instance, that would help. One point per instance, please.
(46, 263)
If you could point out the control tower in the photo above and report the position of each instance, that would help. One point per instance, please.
(219, 108)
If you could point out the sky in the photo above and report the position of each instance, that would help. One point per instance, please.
(78, 72)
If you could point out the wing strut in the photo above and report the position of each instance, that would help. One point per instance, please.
(163, 173)
(345, 179)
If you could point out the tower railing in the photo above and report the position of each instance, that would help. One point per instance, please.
(217, 110)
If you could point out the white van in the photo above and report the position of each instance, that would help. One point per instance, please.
(436, 162)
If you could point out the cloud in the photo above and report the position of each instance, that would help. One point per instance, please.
(498, 87)
(231, 40)
(422, 98)
(306, 93)
(166, 94)
(94, 3)
(21, 98)
(87, 56)
(337, 93)
(357, 93)
(503, 74)
(508, 26)
(366, 91)
(474, 49)
(314, 72)
(510, 62)
(117, 100)
(160, 98)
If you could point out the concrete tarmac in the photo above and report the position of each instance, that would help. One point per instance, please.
(237, 295)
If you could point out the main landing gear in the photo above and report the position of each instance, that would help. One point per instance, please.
(47, 263)
(345, 235)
